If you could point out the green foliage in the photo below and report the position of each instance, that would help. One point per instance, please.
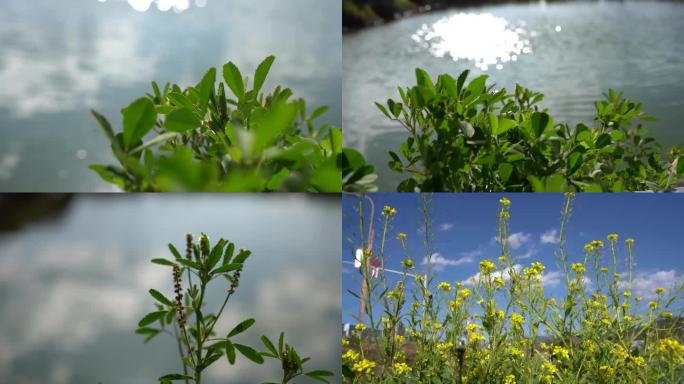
(184, 315)
(207, 140)
(357, 176)
(471, 137)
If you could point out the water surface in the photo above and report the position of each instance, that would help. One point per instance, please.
(59, 59)
(72, 288)
(572, 52)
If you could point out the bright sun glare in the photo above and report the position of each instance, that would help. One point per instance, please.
(479, 37)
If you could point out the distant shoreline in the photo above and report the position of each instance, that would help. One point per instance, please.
(360, 14)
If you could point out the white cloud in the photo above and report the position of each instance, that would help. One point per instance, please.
(551, 278)
(518, 239)
(445, 226)
(645, 283)
(529, 253)
(439, 262)
(503, 274)
(550, 237)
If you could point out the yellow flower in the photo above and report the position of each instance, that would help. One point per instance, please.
(549, 367)
(475, 338)
(388, 211)
(638, 360)
(401, 368)
(500, 314)
(561, 352)
(627, 318)
(472, 327)
(578, 268)
(606, 371)
(588, 247)
(604, 269)
(666, 315)
(401, 236)
(629, 241)
(364, 367)
(613, 237)
(652, 305)
(670, 345)
(437, 325)
(660, 290)
(505, 202)
(345, 342)
(503, 259)
(516, 352)
(360, 327)
(459, 284)
(444, 286)
(517, 320)
(408, 263)
(509, 379)
(399, 339)
(463, 293)
(505, 215)
(486, 267)
(499, 282)
(597, 243)
(350, 355)
(626, 293)
(444, 347)
(395, 294)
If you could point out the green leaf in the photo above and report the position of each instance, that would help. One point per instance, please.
(233, 78)
(228, 268)
(159, 297)
(243, 326)
(190, 264)
(423, 80)
(181, 120)
(162, 262)
(505, 171)
(505, 125)
(205, 87)
(138, 119)
(242, 256)
(269, 345)
(555, 183)
(574, 162)
(319, 375)
(104, 124)
(540, 121)
(216, 253)
(261, 73)
(249, 353)
(603, 140)
(230, 352)
(174, 251)
(151, 318)
(467, 129)
(159, 139)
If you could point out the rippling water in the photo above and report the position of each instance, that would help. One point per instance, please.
(58, 59)
(73, 288)
(572, 52)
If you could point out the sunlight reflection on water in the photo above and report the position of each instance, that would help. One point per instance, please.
(491, 40)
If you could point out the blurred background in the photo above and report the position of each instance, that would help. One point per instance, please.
(572, 51)
(75, 275)
(58, 59)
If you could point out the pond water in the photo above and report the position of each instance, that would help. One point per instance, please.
(72, 288)
(571, 51)
(59, 59)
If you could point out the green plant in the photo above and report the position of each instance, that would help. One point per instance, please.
(501, 326)
(357, 175)
(185, 317)
(471, 137)
(206, 140)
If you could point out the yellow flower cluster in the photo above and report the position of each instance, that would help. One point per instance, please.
(399, 339)
(499, 282)
(613, 237)
(516, 352)
(408, 263)
(606, 371)
(593, 245)
(500, 314)
(561, 353)
(350, 355)
(505, 202)
(629, 241)
(360, 327)
(364, 367)
(486, 267)
(517, 320)
(463, 293)
(444, 286)
(401, 368)
(345, 342)
(395, 294)
(578, 268)
(536, 268)
(401, 236)
(474, 336)
(659, 291)
(444, 347)
(388, 211)
(509, 379)
(669, 345)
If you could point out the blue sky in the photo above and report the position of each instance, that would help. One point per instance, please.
(465, 225)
